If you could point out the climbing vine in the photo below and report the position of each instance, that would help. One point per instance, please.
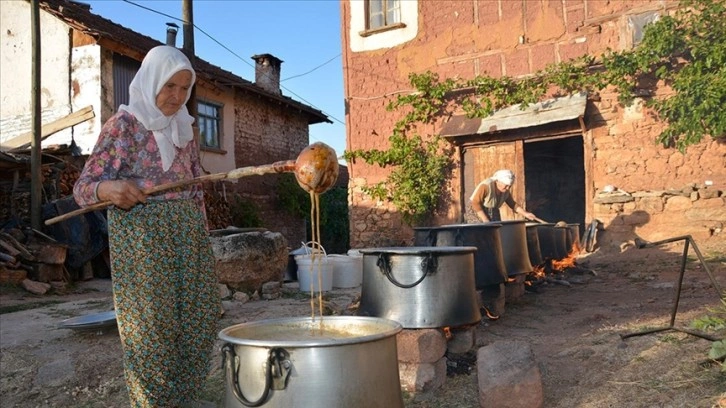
(685, 51)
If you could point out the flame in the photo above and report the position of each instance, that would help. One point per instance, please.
(568, 261)
(489, 314)
(447, 333)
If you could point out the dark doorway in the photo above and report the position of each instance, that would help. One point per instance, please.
(554, 172)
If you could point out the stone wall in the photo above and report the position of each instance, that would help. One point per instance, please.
(266, 134)
(515, 38)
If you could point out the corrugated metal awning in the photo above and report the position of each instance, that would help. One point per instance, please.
(540, 113)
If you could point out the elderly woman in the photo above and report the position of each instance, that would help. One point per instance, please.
(164, 284)
(491, 194)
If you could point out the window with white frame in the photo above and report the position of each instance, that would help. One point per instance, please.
(382, 13)
(398, 20)
(210, 125)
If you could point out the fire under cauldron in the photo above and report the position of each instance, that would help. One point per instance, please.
(420, 287)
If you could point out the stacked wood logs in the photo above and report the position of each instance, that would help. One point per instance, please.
(218, 215)
(32, 260)
(67, 179)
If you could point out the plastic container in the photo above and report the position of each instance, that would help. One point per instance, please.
(347, 270)
(308, 269)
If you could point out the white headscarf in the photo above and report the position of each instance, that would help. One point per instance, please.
(504, 176)
(159, 65)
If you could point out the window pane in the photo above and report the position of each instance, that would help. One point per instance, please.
(375, 6)
(393, 12)
(209, 124)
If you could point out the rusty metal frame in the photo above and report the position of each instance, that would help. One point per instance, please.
(688, 240)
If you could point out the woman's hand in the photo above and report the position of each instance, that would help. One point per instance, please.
(122, 193)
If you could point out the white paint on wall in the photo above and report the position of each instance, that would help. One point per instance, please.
(16, 50)
(385, 39)
(214, 162)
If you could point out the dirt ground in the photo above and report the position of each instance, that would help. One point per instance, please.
(574, 331)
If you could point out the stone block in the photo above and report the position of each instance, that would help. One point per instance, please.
(244, 261)
(509, 376)
(514, 289)
(492, 297)
(422, 377)
(462, 340)
(420, 345)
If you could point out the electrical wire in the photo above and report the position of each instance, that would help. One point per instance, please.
(242, 59)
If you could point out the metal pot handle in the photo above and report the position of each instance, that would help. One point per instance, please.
(459, 238)
(428, 265)
(431, 238)
(277, 373)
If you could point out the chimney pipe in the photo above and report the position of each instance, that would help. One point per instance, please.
(171, 30)
(267, 72)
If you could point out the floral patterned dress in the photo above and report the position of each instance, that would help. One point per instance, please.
(164, 284)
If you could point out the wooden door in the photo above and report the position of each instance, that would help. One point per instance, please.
(480, 162)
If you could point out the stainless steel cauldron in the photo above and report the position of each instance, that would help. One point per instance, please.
(546, 236)
(489, 267)
(336, 361)
(514, 247)
(561, 241)
(420, 287)
(535, 256)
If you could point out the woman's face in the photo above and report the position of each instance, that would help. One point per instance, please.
(502, 187)
(174, 92)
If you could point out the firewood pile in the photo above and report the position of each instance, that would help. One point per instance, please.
(218, 214)
(32, 260)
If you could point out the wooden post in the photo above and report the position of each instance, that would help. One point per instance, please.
(35, 142)
(188, 48)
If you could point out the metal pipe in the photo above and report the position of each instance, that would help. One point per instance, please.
(688, 241)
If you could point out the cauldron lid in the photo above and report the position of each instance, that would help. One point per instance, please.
(443, 250)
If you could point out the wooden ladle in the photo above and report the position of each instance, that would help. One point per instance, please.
(315, 169)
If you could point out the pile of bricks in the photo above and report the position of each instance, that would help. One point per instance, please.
(422, 360)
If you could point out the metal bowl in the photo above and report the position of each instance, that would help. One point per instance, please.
(91, 322)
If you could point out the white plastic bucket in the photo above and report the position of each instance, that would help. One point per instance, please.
(347, 270)
(308, 269)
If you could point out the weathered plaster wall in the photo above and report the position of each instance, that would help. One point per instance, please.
(215, 161)
(16, 69)
(508, 37)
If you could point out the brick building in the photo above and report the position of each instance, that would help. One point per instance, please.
(564, 151)
(88, 60)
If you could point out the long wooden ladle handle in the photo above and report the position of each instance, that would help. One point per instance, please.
(278, 167)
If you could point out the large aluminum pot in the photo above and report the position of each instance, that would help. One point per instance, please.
(329, 362)
(489, 268)
(546, 236)
(574, 237)
(514, 247)
(535, 255)
(420, 287)
(561, 241)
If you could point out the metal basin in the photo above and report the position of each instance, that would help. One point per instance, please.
(514, 247)
(489, 267)
(420, 287)
(329, 362)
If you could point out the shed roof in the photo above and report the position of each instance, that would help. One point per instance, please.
(135, 45)
(513, 117)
